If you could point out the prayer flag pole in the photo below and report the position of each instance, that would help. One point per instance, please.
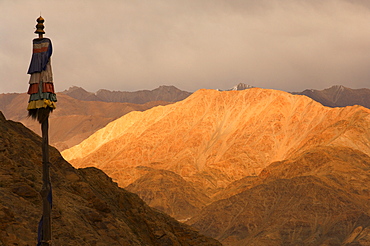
(41, 104)
(46, 192)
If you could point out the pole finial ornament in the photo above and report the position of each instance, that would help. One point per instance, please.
(40, 26)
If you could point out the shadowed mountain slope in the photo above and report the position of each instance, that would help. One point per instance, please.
(214, 138)
(169, 192)
(339, 96)
(321, 197)
(73, 120)
(88, 208)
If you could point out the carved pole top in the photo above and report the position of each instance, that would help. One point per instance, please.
(40, 27)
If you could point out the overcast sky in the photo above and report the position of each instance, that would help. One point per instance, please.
(131, 45)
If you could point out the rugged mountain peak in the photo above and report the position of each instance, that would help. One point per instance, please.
(74, 88)
(240, 86)
(167, 88)
(339, 87)
(336, 92)
(213, 138)
(80, 94)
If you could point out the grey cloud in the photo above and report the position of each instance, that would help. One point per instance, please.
(133, 45)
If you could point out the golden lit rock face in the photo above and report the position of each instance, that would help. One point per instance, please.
(213, 138)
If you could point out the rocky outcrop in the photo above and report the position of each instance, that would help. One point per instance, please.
(212, 138)
(240, 87)
(88, 208)
(339, 96)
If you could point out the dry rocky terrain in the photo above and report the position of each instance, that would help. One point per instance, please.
(251, 167)
(213, 138)
(321, 197)
(88, 208)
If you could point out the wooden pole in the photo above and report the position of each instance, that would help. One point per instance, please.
(46, 187)
(41, 114)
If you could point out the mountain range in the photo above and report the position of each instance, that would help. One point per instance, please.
(339, 96)
(162, 93)
(74, 120)
(247, 167)
(80, 113)
(88, 208)
(250, 167)
(335, 96)
(211, 128)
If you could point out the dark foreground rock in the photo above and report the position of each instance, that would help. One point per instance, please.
(88, 208)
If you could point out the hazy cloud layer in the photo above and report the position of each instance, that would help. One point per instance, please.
(140, 44)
